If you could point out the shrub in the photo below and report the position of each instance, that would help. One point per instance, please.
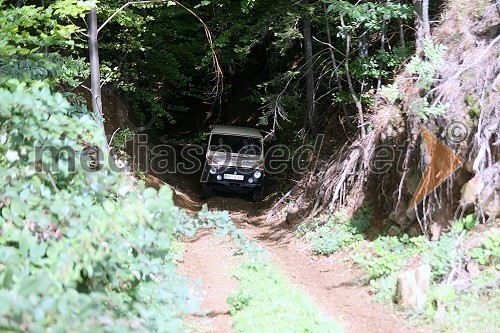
(337, 233)
(387, 255)
(81, 249)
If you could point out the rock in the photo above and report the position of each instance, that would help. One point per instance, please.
(292, 213)
(412, 181)
(473, 269)
(411, 215)
(291, 218)
(469, 166)
(483, 191)
(436, 230)
(414, 230)
(470, 191)
(412, 288)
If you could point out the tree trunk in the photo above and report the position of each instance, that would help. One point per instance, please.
(311, 112)
(425, 18)
(95, 76)
(401, 30)
(357, 101)
(380, 65)
(335, 69)
(421, 23)
(363, 51)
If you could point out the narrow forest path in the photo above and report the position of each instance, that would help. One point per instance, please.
(330, 282)
(208, 260)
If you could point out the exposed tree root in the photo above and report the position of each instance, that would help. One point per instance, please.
(345, 173)
(469, 84)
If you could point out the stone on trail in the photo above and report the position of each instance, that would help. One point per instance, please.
(412, 288)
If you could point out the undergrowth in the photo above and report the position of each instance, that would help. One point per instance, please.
(465, 304)
(266, 302)
(337, 232)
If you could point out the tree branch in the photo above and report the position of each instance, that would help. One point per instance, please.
(122, 8)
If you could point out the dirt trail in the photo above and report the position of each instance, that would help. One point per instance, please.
(208, 259)
(333, 285)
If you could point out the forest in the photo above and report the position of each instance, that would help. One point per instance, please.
(381, 217)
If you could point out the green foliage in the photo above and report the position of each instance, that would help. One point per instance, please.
(447, 307)
(391, 93)
(266, 302)
(367, 18)
(85, 249)
(329, 238)
(337, 233)
(156, 53)
(79, 249)
(369, 14)
(384, 288)
(426, 68)
(489, 252)
(27, 29)
(52, 69)
(422, 109)
(466, 223)
(361, 219)
(472, 310)
(144, 105)
(122, 137)
(443, 255)
(34, 42)
(474, 106)
(388, 255)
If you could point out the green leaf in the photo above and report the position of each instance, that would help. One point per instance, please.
(149, 193)
(5, 306)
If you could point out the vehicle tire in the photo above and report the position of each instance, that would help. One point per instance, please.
(258, 194)
(206, 191)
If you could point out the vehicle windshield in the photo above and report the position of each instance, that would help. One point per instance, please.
(236, 144)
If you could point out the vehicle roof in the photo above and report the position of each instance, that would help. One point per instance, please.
(236, 130)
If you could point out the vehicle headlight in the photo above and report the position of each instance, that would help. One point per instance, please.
(219, 177)
(257, 174)
(213, 170)
(250, 180)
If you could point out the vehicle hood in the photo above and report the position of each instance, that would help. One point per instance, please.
(235, 160)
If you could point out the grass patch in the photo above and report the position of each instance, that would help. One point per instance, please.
(266, 302)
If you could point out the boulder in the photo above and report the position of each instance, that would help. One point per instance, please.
(412, 288)
(473, 269)
(482, 191)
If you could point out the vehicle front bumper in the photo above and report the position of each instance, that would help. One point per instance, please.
(241, 186)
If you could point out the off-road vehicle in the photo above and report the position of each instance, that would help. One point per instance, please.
(234, 161)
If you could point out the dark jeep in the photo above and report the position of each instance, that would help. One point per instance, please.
(234, 161)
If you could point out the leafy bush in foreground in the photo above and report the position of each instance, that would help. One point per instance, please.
(79, 251)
